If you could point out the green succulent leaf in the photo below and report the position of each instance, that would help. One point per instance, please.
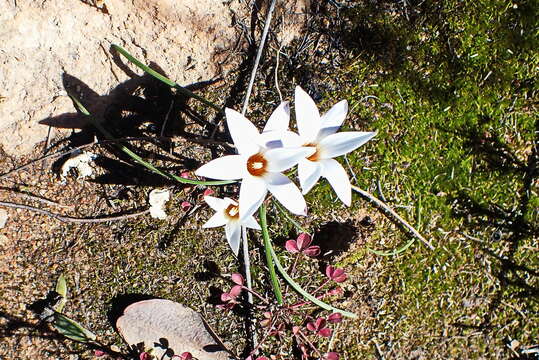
(72, 329)
(61, 289)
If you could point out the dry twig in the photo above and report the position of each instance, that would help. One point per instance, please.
(389, 211)
(69, 219)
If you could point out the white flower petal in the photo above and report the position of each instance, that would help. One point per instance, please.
(338, 179)
(333, 119)
(218, 219)
(233, 236)
(342, 143)
(243, 132)
(279, 139)
(307, 116)
(287, 193)
(215, 203)
(284, 158)
(251, 223)
(252, 193)
(229, 167)
(308, 173)
(279, 119)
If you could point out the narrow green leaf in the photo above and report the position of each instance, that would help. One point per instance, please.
(267, 247)
(393, 252)
(138, 159)
(305, 294)
(163, 78)
(61, 289)
(72, 329)
(144, 67)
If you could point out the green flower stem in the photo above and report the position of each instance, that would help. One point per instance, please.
(300, 290)
(138, 159)
(268, 249)
(164, 79)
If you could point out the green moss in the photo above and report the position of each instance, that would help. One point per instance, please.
(453, 103)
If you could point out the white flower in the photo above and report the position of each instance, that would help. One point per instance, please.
(259, 163)
(157, 199)
(81, 162)
(321, 133)
(227, 214)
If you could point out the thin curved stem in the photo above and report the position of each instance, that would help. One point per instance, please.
(64, 218)
(300, 290)
(258, 55)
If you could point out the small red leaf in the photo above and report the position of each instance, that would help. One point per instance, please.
(144, 356)
(331, 356)
(225, 297)
(303, 241)
(311, 326)
(235, 291)
(320, 323)
(186, 356)
(335, 318)
(312, 251)
(335, 274)
(291, 246)
(237, 279)
(99, 353)
(325, 332)
(186, 205)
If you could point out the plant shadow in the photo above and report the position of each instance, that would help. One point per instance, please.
(513, 226)
(143, 113)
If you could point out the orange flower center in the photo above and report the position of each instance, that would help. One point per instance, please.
(256, 165)
(316, 155)
(232, 211)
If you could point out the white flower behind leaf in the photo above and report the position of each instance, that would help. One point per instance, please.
(321, 132)
(80, 161)
(259, 163)
(227, 214)
(157, 200)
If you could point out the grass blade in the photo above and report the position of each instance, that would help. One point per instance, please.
(163, 78)
(138, 159)
(393, 252)
(269, 261)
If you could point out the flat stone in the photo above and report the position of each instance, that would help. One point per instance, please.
(167, 325)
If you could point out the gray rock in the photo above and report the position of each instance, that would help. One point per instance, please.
(159, 322)
(190, 40)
